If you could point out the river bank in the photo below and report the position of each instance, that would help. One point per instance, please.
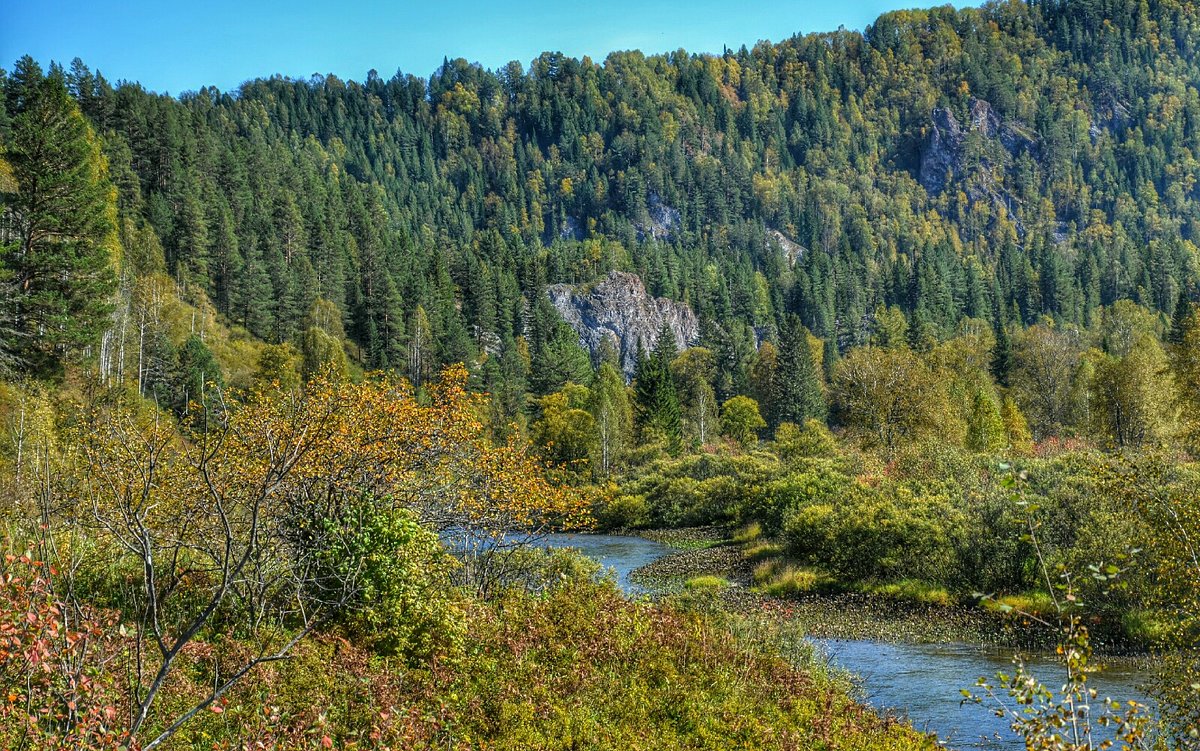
(844, 615)
(908, 661)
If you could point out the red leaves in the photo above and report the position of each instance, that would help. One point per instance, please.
(53, 701)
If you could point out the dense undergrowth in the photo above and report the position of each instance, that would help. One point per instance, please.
(934, 525)
(570, 664)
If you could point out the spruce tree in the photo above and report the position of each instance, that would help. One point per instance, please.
(797, 394)
(1001, 354)
(198, 373)
(654, 389)
(1179, 319)
(557, 357)
(64, 214)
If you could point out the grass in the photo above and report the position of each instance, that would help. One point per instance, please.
(761, 551)
(1143, 627)
(707, 582)
(912, 590)
(778, 578)
(1033, 603)
(747, 534)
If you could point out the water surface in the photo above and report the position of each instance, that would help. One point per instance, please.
(622, 555)
(919, 681)
(923, 682)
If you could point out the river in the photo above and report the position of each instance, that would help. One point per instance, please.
(919, 681)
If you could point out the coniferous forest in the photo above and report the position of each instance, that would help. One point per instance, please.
(285, 372)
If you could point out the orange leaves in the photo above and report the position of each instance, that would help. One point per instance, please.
(375, 437)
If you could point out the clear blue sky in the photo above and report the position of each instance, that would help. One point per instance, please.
(180, 45)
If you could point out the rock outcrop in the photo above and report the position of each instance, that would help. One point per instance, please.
(946, 157)
(619, 309)
(662, 221)
(792, 250)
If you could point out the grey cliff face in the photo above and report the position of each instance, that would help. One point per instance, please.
(949, 155)
(619, 309)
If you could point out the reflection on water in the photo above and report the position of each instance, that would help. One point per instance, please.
(919, 681)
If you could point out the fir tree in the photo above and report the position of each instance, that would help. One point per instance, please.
(197, 376)
(64, 214)
(1001, 364)
(655, 393)
(796, 395)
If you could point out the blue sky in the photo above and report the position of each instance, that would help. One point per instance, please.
(180, 45)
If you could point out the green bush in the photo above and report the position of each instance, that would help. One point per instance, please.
(812, 440)
(403, 604)
(624, 512)
(784, 495)
(879, 534)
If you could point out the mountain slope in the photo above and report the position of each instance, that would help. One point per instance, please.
(1015, 160)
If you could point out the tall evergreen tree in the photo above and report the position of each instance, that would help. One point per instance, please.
(796, 395)
(1179, 319)
(63, 219)
(198, 374)
(654, 387)
(1001, 364)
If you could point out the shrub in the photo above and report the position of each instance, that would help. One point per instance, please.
(812, 440)
(884, 534)
(625, 511)
(783, 496)
(403, 605)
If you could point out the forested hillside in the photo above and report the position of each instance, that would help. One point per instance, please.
(1001, 163)
(906, 317)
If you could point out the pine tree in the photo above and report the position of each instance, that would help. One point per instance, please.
(1001, 355)
(655, 393)
(796, 395)
(64, 214)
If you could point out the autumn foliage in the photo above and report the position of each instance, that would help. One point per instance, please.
(57, 693)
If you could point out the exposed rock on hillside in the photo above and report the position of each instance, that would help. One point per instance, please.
(661, 221)
(971, 154)
(791, 249)
(619, 309)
